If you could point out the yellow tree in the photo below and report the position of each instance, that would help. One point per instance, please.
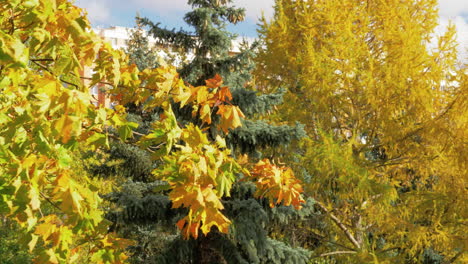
(387, 119)
(46, 114)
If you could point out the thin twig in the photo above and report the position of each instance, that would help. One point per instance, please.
(49, 71)
(42, 66)
(337, 252)
(48, 200)
(119, 86)
(390, 249)
(138, 133)
(69, 83)
(340, 225)
(12, 22)
(42, 60)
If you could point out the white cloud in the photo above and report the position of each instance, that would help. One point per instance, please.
(453, 8)
(161, 6)
(99, 11)
(455, 11)
(461, 26)
(254, 8)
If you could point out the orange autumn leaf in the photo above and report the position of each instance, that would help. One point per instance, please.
(277, 183)
(214, 82)
(224, 93)
(200, 175)
(204, 209)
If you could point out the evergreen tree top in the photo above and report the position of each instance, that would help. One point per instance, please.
(218, 9)
(149, 204)
(210, 42)
(207, 17)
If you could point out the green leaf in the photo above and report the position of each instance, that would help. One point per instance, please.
(125, 131)
(64, 158)
(162, 187)
(30, 3)
(12, 50)
(97, 140)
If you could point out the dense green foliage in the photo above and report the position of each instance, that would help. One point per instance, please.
(11, 251)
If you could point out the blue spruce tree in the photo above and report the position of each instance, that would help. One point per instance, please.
(141, 209)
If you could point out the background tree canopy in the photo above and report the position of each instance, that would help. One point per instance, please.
(386, 118)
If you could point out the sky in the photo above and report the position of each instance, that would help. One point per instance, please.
(104, 13)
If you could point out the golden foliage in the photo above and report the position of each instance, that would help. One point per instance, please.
(386, 115)
(277, 182)
(46, 113)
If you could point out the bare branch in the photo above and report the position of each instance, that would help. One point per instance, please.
(120, 86)
(340, 225)
(42, 60)
(452, 260)
(49, 201)
(336, 253)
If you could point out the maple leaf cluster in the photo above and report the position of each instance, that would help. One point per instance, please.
(277, 183)
(199, 174)
(46, 114)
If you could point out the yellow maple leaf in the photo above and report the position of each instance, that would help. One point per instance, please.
(277, 183)
(230, 117)
(205, 114)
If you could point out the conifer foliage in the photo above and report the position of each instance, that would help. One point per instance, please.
(239, 221)
(47, 116)
(140, 51)
(211, 44)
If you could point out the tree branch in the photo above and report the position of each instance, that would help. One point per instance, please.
(452, 260)
(33, 60)
(12, 22)
(42, 66)
(49, 71)
(425, 124)
(49, 201)
(120, 86)
(340, 225)
(336, 253)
